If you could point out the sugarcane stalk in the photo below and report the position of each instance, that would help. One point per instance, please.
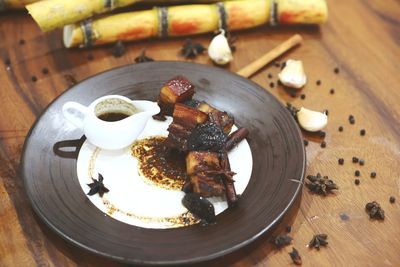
(193, 19)
(52, 14)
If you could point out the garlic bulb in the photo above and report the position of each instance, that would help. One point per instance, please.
(311, 121)
(219, 50)
(292, 75)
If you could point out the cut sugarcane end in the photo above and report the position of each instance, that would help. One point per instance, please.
(72, 35)
(310, 120)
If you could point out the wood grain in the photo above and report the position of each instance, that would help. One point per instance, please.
(362, 38)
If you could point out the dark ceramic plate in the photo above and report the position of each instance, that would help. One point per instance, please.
(49, 168)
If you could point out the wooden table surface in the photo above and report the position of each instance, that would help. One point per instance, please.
(361, 38)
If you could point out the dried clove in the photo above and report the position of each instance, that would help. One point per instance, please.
(320, 185)
(143, 58)
(281, 241)
(191, 50)
(318, 240)
(375, 211)
(97, 187)
(295, 256)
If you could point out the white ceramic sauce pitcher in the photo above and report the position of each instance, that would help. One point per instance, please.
(95, 122)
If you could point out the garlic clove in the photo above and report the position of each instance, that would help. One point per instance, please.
(219, 50)
(293, 75)
(310, 120)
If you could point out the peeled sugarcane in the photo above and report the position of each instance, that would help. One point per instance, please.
(52, 14)
(193, 19)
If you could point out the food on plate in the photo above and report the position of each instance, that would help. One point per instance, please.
(202, 133)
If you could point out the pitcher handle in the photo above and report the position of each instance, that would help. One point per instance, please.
(75, 113)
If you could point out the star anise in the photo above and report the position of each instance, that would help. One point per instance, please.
(191, 50)
(375, 211)
(318, 240)
(97, 187)
(295, 256)
(320, 185)
(292, 109)
(281, 241)
(143, 58)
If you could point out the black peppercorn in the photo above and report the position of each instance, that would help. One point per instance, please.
(373, 174)
(322, 134)
(336, 70)
(332, 91)
(357, 181)
(392, 199)
(352, 120)
(318, 82)
(45, 70)
(305, 142)
(340, 128)
(272, 84)
(302, 96)
(361, 162)
(355, 159)
(357, 173)
(288, 229)
(22, 42)
(362, 132)
(34, 78)
(323, 144)
(341, 161)
(270, 75)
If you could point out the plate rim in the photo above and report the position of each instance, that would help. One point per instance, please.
(199, 259)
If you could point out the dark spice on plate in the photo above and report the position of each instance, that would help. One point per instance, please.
(305, 142)
(332, 91)
(361, 162)
(362, 132)
(375, 211)
(295, 256)
(336, 70)
(392, 199)
(326, 112)
(272, 84)
(341, 161)
(191, 50)
(373, 174)
(118, 49)
(270, 75)
(318, 82)
(357, 173)
(355, 159)
(302, 96)
(318, 240)
(22, 42)
(320, 185)
(97, 187)
(34, 78)
(323, 144)
(143, 58)
(357, 181)
(281, 241)
(45, 70)
(288, 229)
(340, 128)
(322, 134)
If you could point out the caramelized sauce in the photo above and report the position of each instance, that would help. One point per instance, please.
(164, 167)
(113, 116)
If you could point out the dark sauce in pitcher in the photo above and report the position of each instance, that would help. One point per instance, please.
(113, 116)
